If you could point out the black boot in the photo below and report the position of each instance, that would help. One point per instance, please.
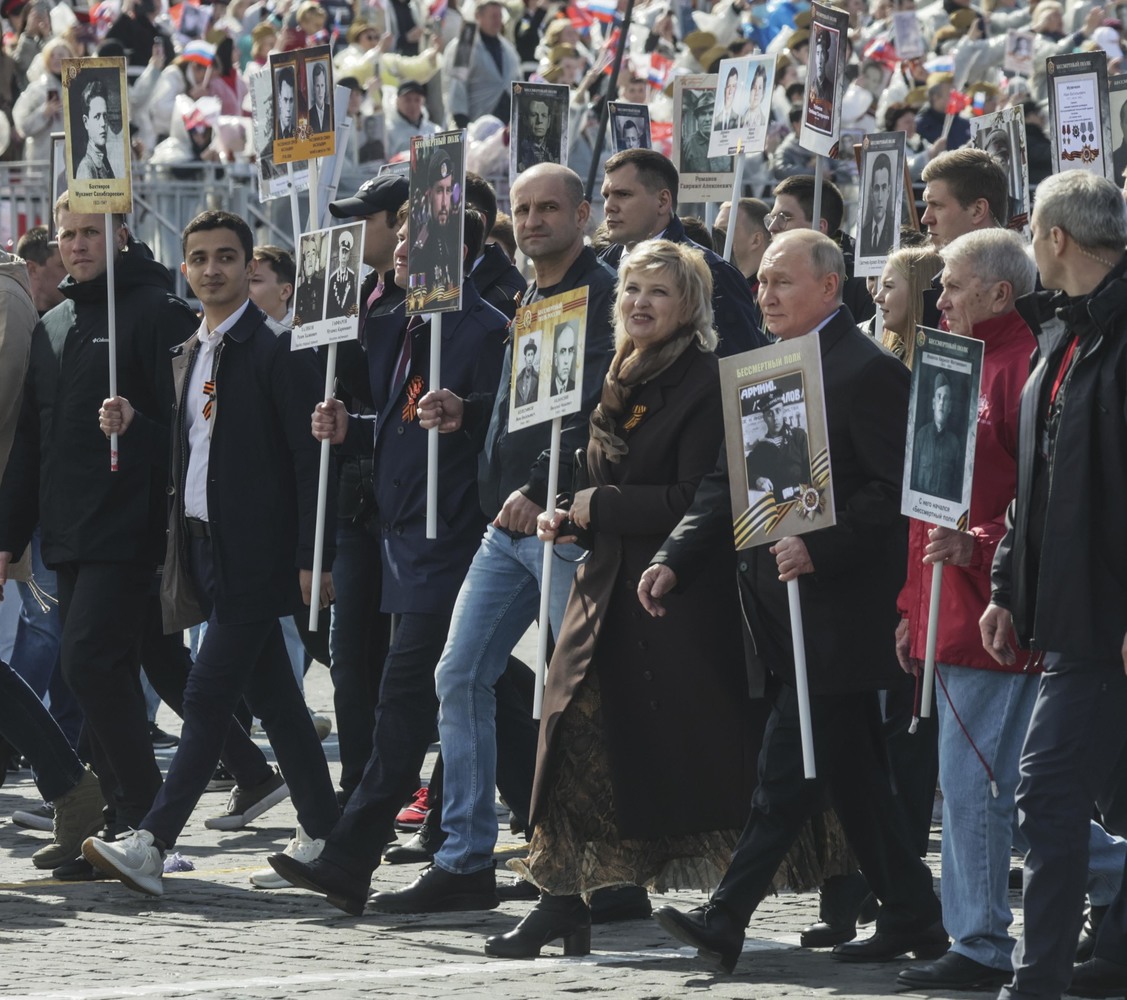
(553, 917)
(843, 902)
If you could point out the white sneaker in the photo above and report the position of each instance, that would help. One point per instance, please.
(135, 860)
(301, 848)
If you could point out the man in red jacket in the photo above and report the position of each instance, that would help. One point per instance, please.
(984, 707)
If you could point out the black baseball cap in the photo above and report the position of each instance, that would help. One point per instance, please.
(385, 193)
(411, 87)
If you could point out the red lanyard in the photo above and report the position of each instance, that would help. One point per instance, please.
(1063, 370)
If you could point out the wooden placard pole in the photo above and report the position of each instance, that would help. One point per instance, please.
(111, 317)
(545, 624)
(432, 434)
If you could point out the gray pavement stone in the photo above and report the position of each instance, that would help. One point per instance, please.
(212, 935)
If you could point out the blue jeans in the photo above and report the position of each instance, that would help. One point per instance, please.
(978, 829)
(499, 599)
(35, 656)
(28, 726)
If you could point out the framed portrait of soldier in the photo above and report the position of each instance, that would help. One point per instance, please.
(301, 88)
(194, 19)
(1019, 53)
(273, 178)
(776, 441)
(96, 120)
(907, 35)
(1080, 113)
(629, 126)
(942, 427)
(1117, 86)
(1002, 135)
(703, 177)
(436, 222)
(327, 291)
(537, 125)
(821, 104)
(882, 201)
(546, 377)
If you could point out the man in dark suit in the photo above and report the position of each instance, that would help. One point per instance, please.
(233, 545)
(876, 230)
(849, 611)
(321, 110)
(563, 360)
(420, 578)
(285, 88)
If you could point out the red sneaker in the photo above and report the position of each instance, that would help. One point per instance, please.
(411, 816)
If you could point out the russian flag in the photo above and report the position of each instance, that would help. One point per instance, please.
(579, 17)
(438, 8)
(658, 70)
(604, 11)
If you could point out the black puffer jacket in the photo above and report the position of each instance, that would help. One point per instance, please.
(1077, 604)
(59, 471)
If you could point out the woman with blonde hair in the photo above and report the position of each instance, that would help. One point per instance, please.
(906, 299)
(644, 718)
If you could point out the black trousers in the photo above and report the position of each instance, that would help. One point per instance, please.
(405, 720)
(1075, 737)
(102, 607)
(236, 660)
(852, 767)
(168, 664)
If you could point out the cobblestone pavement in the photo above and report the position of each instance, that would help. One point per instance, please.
(213, 935)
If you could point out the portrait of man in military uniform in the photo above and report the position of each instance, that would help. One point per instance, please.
(342, 279)
(779, 461)
(436, 252)
(310, 297)
(938, 450)
(528, 379)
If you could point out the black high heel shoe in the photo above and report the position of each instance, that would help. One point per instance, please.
(553, 917)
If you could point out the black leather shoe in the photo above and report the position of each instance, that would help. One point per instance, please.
(823, 935)
(620, 902)
(953, 972)
(1086, 946)
(344, 891)
(439, 891)
(844, 901)
(419, 850)
(884, 946)
(1099, 977)
(78, 870)
(517, 890)
(553, 917)
(716, 935)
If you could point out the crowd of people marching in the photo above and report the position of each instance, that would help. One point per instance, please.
(672, 678)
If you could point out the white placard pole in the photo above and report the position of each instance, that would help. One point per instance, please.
(111, 309)
(801, 687)
(816, 221)
(432, 434)
(737, 185)
(322, 497)
(545, 625)
(314, 183)
(932, 635)
(295, 212)
(878, 322)
(344, 130)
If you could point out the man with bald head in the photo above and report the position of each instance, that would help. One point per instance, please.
(848, 609)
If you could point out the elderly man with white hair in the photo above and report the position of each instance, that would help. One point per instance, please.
(1058, 580)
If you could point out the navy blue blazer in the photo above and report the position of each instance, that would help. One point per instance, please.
(421, 575)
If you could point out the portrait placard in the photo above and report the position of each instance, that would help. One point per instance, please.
(96, 119)
(821, 102)
(538, 121)
(1019, 53)
(776, 441)
(906, 32)
(436, 222)
(629, 126)
(302, 90)
(942, 428)
(703, 177)
(882, 201)
(742, 105)
(194, 19)
(1117, 97)
(1080, 113)
(546, 379)
(327, 296)
(1002, 135)
(273, 180)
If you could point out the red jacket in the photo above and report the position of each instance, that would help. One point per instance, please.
(966, 589)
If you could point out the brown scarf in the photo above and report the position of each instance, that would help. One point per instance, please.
(629, 369)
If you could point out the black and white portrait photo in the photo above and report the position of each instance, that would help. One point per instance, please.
(538, 125)
(878, 227)
(97, 134)
(342, 288)
(939, 447)
(563, 359)
(526, 384)
(309, 299)
(629, 126)
(776, 442)
(285, 102)
(320, 89)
